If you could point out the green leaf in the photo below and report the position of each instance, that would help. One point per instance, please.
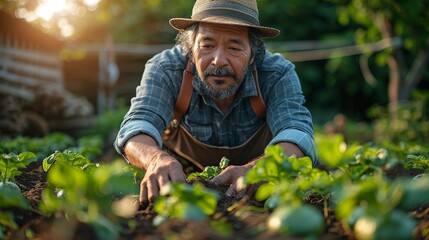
(11, 163)
(224, 162)
(275, 152)
(331, 149)
(181, 200)
(186, 210)
(105, 229)
(11, 196)
(7, 219)
(264, 191)
(301, 220)
(303, 164)
(49, 160)
(210, 172)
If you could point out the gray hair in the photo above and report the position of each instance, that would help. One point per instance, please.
(186, 40)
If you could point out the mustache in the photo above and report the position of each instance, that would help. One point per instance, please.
(219, 71)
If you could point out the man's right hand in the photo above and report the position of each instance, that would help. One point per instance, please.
(160, 167)
(157, 175)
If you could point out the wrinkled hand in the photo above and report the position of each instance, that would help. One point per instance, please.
(157, 175)
(234, 175)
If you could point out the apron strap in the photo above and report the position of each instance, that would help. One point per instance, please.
(186, 89)
(257, 101)
(185, 94)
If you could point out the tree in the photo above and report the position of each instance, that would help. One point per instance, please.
(387, 19)
(136, 21)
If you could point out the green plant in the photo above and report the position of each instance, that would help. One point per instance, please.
(10, 193)
(210, 172)
(411, 123)
(286, 181)
(376, 208)
(81, 190)
(89, 146)
(11, 163)
(42, 147)
(302, 220)
(110, 121)
(279, 174)
(184, 201)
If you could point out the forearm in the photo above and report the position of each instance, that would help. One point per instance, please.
(289, 149)
(141, 150)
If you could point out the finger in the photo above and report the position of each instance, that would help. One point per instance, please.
(225, 177)
(231, 191)
(152, 189)
(143, 199)
(238, 188)
(162, 181)
(178, 175)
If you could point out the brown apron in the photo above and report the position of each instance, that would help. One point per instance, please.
(177, 139)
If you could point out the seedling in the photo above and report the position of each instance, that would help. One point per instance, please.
(79, 189)
(10, 193)
(210, 172)
(184, 201)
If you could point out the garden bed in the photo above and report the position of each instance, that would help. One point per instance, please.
(75, 194)
(233, 219)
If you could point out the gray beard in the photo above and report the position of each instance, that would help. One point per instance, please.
(219, 94)
(208, 90)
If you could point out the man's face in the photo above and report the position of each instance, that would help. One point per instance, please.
(222, 54)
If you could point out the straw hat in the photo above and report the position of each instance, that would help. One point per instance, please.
(232, 12)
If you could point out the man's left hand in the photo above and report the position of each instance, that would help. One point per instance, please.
(234, 176)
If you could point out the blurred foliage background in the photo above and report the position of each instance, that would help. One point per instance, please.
(352, 85)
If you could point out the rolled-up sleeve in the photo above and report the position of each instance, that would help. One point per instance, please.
(132, 129)
(304, 141)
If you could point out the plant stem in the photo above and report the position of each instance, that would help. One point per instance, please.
(325, 208)
(5, 173)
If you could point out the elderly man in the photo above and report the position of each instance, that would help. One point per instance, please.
(217, 93)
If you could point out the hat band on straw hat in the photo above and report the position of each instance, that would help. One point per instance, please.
(233, 12)
(226, 13)
(228, 9)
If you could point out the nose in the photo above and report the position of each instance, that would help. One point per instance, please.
(219, 57)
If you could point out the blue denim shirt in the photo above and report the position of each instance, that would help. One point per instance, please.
(151, 109)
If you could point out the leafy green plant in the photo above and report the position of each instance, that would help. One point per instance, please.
(67, 157)
(210, 172)
(276, 166)
(301, 220)
(42, 147)
(81, 190)
(11, 163)
(184, 201)
(411, 123)
(375, 208)
(10, 193)
(394, 225)
(279, 174)
(415, 192)
(89, 146)
(417, 162)
(334, 151)
(110, 120)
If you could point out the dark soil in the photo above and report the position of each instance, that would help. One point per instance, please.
(239, 223)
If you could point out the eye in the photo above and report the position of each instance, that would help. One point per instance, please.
(235, 48)
(206, 46)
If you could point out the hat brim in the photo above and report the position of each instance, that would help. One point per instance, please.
(183, 23)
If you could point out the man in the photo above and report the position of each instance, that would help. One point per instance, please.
(216, 93)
